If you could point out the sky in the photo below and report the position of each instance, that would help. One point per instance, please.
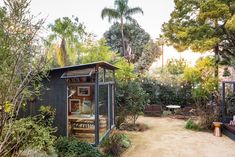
(156, 12)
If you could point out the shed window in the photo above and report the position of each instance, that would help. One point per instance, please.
(78, 73)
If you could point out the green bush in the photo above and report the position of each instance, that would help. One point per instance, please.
(176, 66)
(27, 134)
(31, 133)
(165, 93)
(166, 113)
(116, 144)
(72, 147)
(190, 124)
(202, 77)
(131, 99)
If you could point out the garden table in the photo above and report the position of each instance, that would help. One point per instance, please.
(173, 107)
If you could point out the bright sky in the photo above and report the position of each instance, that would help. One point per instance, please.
(156, 12)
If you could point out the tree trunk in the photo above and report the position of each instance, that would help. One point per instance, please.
(63, 56)
(216, 51)
(122, 33)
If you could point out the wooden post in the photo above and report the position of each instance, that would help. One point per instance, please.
(97, 106)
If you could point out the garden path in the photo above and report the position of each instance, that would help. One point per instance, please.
(167, 137)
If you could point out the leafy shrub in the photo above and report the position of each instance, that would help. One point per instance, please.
(26, 133)
(116, 144)
(202, 78)
(165, 93)
(131, 99)
(190, 124)
(166, 113)
(121, 116)
(208, 113)
(72, 147)
(134, 127)
(46, 116)
(32, 133)
(176, 66)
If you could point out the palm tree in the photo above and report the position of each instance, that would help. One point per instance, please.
(65, 40)
(121, 11)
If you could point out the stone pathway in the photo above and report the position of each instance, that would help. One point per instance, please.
(167, 137)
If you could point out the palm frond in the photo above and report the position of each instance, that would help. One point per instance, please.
(120, 2)
(132, 11)
(131, 20)
(122, 6)
(110, 13)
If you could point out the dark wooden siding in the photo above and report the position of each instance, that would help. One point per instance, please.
(54, 93)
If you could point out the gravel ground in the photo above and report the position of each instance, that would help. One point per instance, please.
(167, 137)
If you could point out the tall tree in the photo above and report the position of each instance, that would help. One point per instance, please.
(22, 64)
(121, 11)
(150, 53)
(64, 41)
(95, 51)
(136, 36)
(206, 25)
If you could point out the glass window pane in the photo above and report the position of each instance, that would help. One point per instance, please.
(109, 76)
(103, 109)
(101, 74)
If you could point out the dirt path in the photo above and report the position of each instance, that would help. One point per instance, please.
(168, 138)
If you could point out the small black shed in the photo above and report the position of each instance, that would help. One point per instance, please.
(83, 96)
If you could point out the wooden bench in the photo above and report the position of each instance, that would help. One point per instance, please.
(153, 110)
(229, 131)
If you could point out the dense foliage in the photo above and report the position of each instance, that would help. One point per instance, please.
(135, 35)
(92, 51)
(122, 11)
(176, 66)
(64, 42)
(163, 93)
(35, 133)
(202, 79)
(116, 144)
(22, 66)
(72, 147)
(149, 54)
(125, 72)
(202, 26)
(131, 99)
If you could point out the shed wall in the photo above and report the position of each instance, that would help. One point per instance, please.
(54, 93)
